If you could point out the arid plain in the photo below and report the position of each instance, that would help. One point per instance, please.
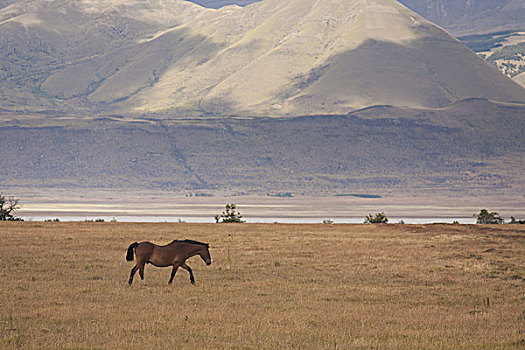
(64, 285)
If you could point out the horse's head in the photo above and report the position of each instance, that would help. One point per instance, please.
(205, 254)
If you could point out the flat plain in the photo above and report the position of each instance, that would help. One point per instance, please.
(270, 286)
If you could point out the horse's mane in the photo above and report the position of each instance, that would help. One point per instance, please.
(190, 241)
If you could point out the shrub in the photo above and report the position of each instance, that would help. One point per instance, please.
(230, 215)
(484, 217)
(380, 218)
(8, 207)
(514, 221)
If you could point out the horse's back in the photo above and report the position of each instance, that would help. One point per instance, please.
(144, 250)
(165, 255)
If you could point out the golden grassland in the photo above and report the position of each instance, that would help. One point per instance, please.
(64, 285)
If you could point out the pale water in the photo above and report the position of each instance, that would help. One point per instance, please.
(284, 220)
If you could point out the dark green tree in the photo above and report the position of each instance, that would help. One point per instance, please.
(484, 217)
(8, 207)
(229, 215)
(380, 218)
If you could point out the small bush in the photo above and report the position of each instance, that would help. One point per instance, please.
(485, 218)
(514, 221)
(230, 215)
(379, 218)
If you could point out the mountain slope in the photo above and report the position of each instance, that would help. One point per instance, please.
(309, 57)
(461, 17)
(473, 147)
(270, 58)
(41, 39)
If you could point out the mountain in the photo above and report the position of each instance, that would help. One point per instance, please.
(39, 40)
(490, 28)
(462, 17)
(271, 58)
(300, 96)
(493, 29)
(473, 147)
(458, 17)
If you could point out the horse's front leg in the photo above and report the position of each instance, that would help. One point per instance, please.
(173, 271)
(187, 268)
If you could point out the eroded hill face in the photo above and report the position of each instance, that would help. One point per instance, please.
(271, 58)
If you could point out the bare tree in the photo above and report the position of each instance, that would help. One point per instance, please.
(8, 207)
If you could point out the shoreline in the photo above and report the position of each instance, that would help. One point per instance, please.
(169, 207)
(248, 220)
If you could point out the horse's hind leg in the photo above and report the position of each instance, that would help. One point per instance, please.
(133, 270)
(187, 268)
(141, 273)
(173, 271)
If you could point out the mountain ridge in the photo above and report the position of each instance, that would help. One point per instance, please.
(270, 58)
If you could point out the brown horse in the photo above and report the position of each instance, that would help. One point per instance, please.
(173, 254)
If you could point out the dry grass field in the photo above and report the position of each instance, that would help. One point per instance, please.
(271, 286)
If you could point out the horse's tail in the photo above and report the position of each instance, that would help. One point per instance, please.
(129, 256)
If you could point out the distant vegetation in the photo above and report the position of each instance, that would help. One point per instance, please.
(199, 194)
(379, 218)
(230, 215)
(8, 207)
(509, 59)
(282, 195)
(485, 42)
(484, 217)
(358, 195)
(513, 220)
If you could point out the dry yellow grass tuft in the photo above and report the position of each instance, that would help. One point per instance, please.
(64, 285)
